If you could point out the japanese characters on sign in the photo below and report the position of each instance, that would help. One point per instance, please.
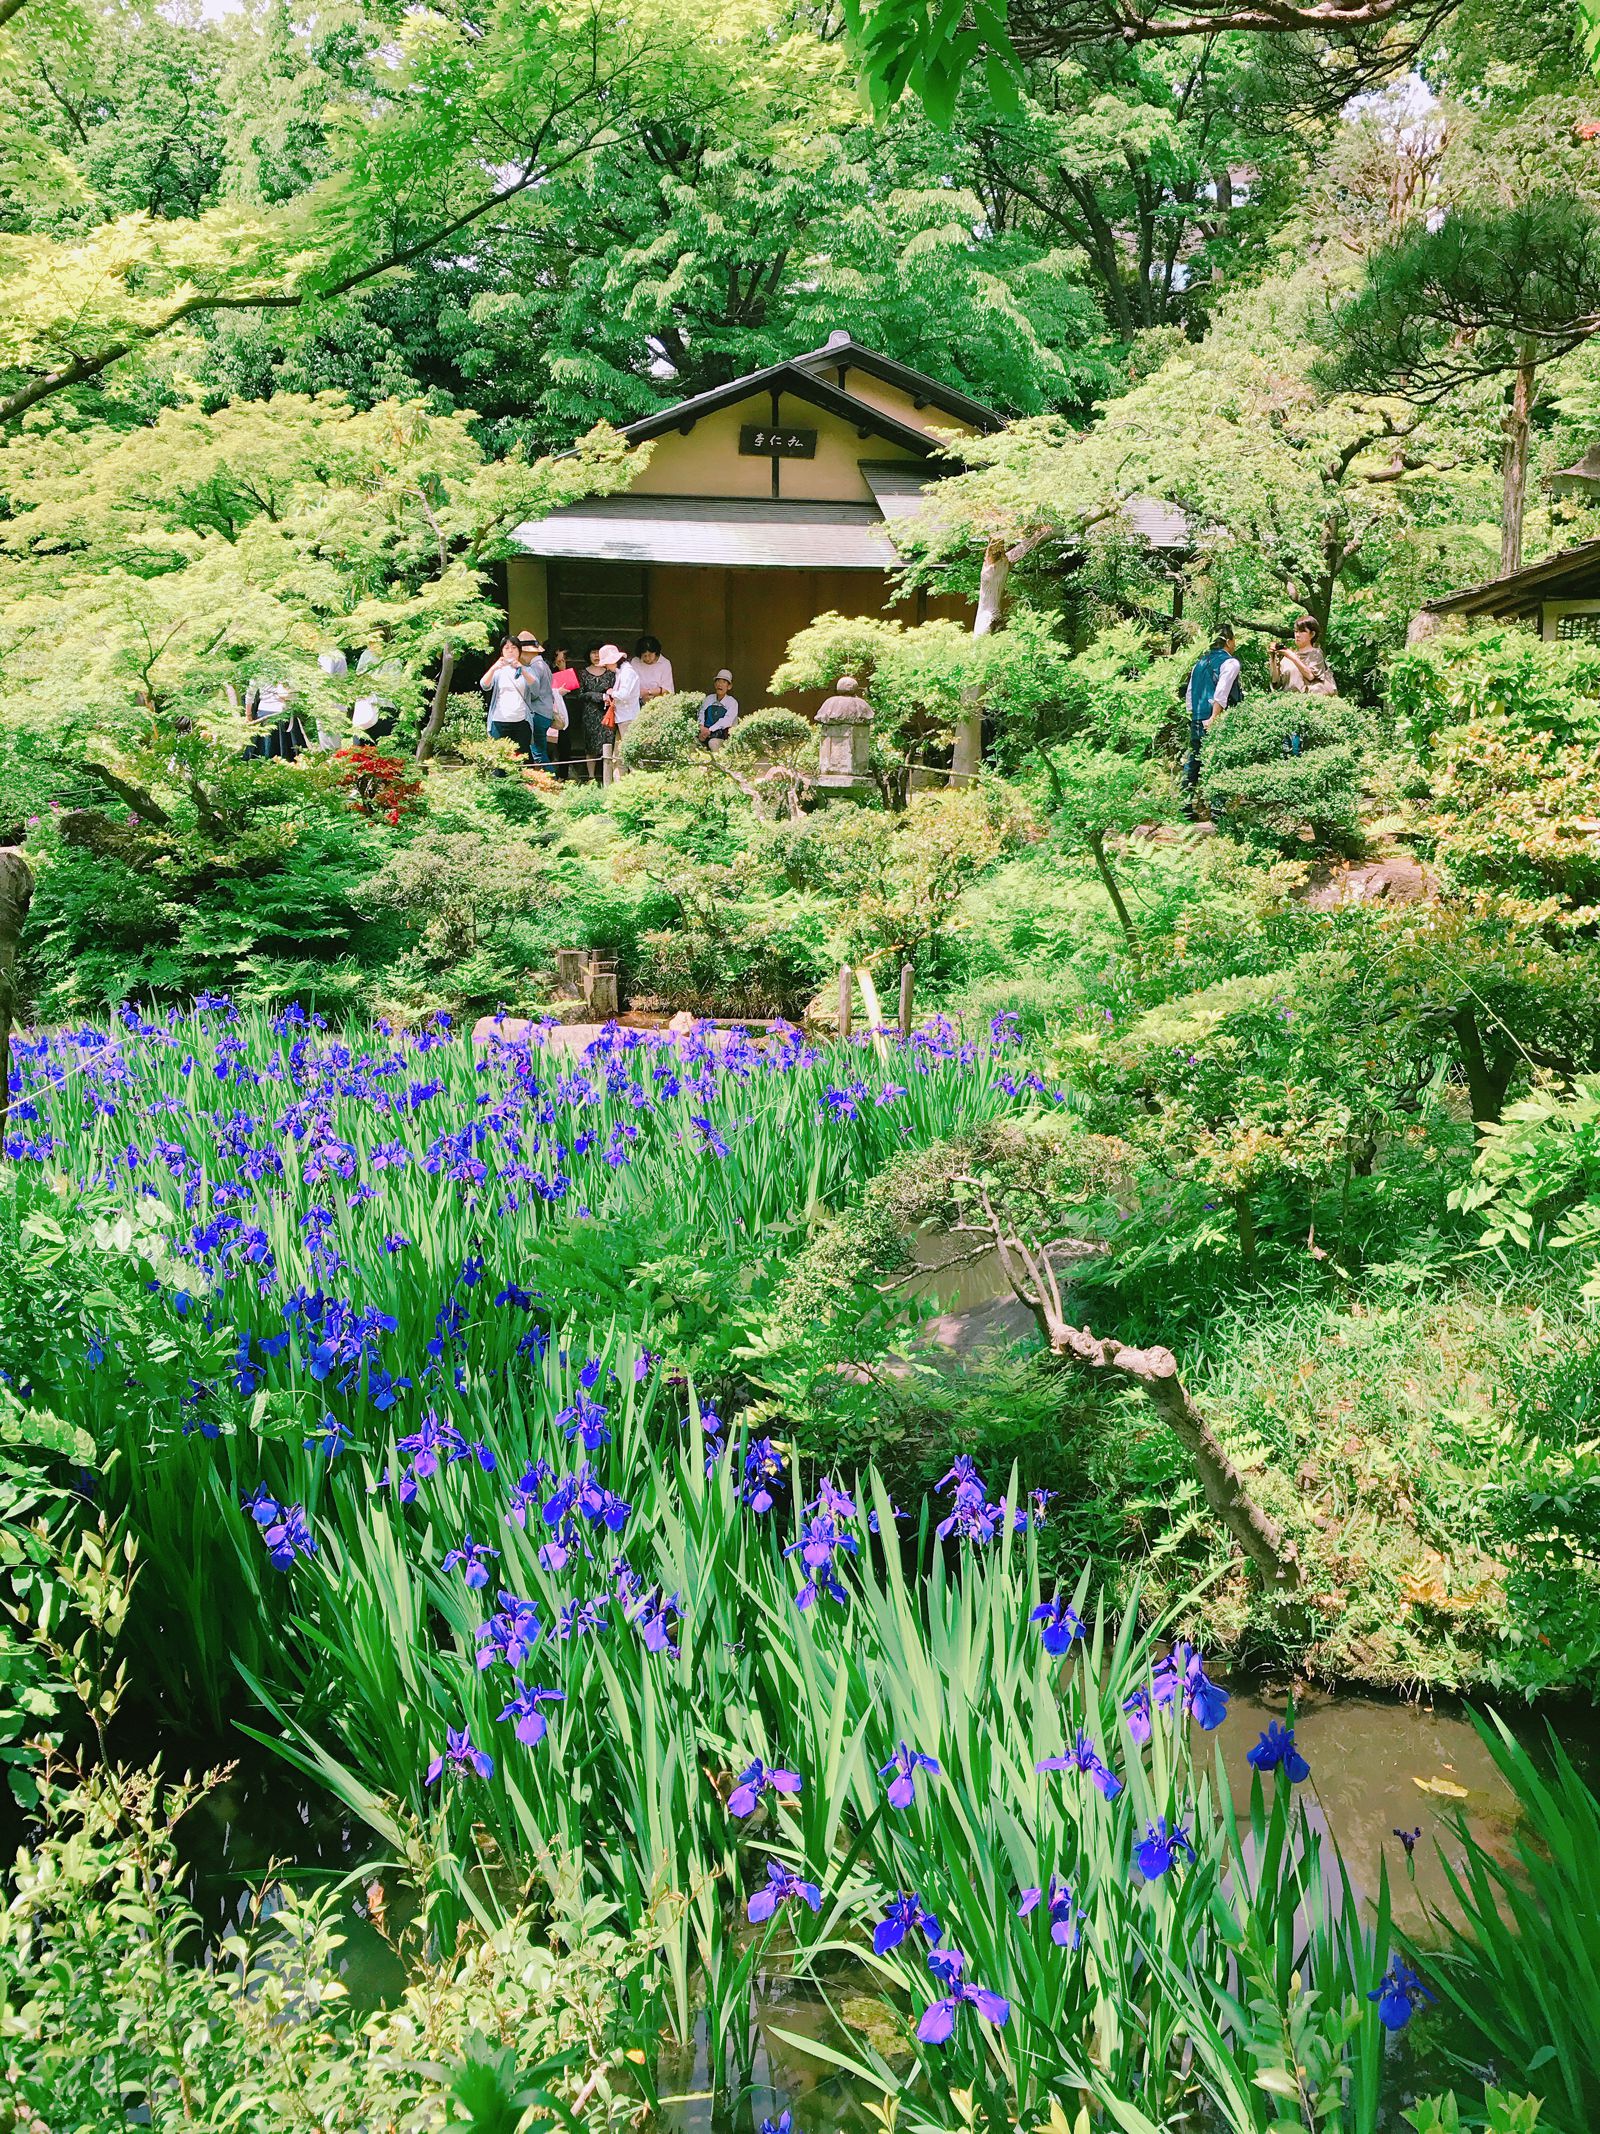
(766, 440)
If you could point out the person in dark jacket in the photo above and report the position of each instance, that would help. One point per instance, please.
(1213, 686)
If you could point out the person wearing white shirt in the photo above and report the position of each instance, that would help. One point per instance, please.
(622, 700)
(719, 714)
(653, 668)
(1213, 686)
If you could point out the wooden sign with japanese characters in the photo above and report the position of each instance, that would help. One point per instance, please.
(765, 440)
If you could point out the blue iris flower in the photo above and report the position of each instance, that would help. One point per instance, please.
(473, 1557)
(763, 1473)
(532, 1725)
(905, 1913)
(511, 1632)
(905, 1763)
(458, 1753)
(1276, 1751)
(1066, 1921)
(1062, 1625)
(782, 1886)
(1399, 1994)
(1084, 1757)
(1160, 1848)
(819, 1539)
(939, 2018)
(757, 1779)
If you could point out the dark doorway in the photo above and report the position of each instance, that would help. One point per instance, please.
(595, 604)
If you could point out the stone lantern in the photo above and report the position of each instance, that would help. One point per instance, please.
(844, 724)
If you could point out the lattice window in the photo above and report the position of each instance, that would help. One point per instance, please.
(1578, 629)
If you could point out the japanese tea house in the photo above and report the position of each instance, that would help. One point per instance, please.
(762, 504)
(1558, 599)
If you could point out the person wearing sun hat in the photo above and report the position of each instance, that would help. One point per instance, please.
(719, 713)
(622, 703)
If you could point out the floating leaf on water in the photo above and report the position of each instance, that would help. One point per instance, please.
(1446, 1786)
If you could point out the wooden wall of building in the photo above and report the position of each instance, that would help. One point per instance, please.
(705, 618)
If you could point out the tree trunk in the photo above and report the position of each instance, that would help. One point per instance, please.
(16, 893)
(1487, 1079)
(1155, 1372)
(441, 697)
(1514, 463)
(992, 578)
(1245, 1216)
(1097, 845)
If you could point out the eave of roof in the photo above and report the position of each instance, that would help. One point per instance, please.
(1532, 580)
(739, 532)
(851, 355)
(785, 377)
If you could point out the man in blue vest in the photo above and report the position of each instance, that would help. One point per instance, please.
(1213, 686)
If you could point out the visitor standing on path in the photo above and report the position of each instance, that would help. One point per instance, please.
(594, 686)
(266, 706)
(622, 706)
(719, 714)
(1213, 686)
(1303, 668)
(654, 669)
(506, 686)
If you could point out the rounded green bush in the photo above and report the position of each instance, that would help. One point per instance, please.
(1276, 766)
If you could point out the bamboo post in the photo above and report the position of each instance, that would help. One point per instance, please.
(844, 1003)
(908, 979)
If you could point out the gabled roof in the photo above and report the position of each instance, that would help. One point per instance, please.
(1575, 571)
(804, 377)
(841, 352)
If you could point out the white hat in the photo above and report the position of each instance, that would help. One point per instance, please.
(610, 656)
(723, 674)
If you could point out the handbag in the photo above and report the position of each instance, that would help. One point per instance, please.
(609, 722)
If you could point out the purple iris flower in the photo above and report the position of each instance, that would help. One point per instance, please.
(473, 1557)
(1066, 1921)
(1408, 1839)
(1182, 1677)
(1159, 1848)
(756, 1780)
(763, 1473)
(332, 1439)
(906, 1763)
(939, 2018)
(783, 2124)
(1276, 1751)
(782, 1884)
(526, 1494)
(1084, 1757)
(284, 1529)
(510, 1634)
(835, 1503)
(818, 1541)
(1062, 1625)
(532, 1725)
(459, 1752)
(586, 1418)
(580, 1619)
(907, 1911)
(1399, 1994)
